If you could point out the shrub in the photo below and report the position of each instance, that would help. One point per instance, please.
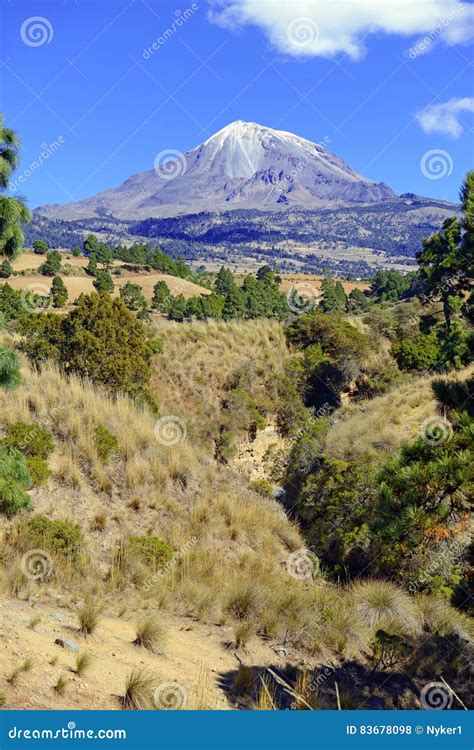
(151, 550)
(38, 470)
(100, 339)
(263, 487)
(105, 442)
(225, 446)
(420, 353)
(29, 438)
(59, 537)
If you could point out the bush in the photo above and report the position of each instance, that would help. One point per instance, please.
(225, 446)
(100, 339)
(105, 442)
(38, 470)
(60, 537)
(263, 487)
(420, 353)
(151, 550)
(29, 438)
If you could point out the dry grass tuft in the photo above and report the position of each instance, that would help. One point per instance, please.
(88, 615)
(138, 690)
(151, 635)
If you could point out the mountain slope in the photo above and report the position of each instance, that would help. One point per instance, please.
(244, 165)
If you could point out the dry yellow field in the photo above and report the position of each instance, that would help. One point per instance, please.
(31, 260)
(290, 280)
(77, 285)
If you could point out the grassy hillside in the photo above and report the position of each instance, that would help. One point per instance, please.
(234, 575)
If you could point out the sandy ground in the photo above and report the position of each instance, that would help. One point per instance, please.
(195, 657)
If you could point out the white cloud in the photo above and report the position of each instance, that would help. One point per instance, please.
(444, 118)
(326, 27)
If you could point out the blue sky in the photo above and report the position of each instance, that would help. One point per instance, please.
(342, 74)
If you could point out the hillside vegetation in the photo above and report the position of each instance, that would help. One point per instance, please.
(143, 564)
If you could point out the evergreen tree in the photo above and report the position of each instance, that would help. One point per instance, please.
(15, 479)
(10, 376)
(91, 269)
(40, 247)
(99, 339)
(6, 269)
(161, 297)
(90, 244)
(103, 282)
(13, 212)
(76, 251)
(177, 308)
(59, 292)
(334, 298)
(132, 295)
(52, 265)
(447, 259)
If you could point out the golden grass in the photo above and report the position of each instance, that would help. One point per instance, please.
(77, 285)
(379, 426)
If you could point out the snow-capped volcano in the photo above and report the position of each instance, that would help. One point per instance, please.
(244, 165)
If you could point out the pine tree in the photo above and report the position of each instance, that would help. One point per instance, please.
(6, 269)
(10, 376)
(59, 292)
(13, 212)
